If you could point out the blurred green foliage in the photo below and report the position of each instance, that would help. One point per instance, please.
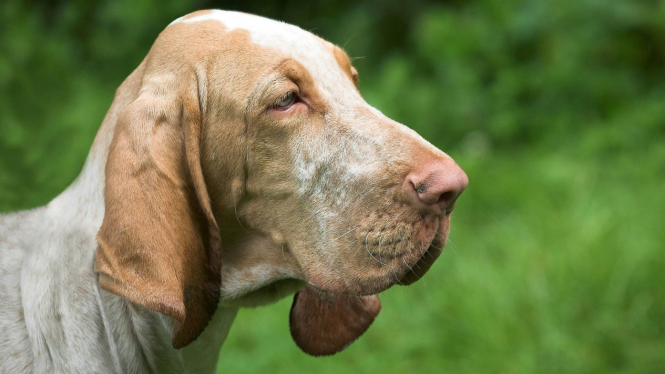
(555, 109)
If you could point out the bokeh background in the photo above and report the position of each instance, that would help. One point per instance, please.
(555, 109)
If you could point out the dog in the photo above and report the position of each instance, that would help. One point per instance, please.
(237, 165)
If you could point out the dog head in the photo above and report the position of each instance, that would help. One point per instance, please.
(245, 164)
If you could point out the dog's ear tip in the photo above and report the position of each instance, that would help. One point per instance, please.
(178, 341)
(188, 330)
(323, 324)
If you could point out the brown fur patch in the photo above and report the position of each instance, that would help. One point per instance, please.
(345, 63)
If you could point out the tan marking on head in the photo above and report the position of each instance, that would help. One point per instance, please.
(297, 73)
(345, 63)
(238, 70)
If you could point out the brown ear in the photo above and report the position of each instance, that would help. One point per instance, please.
(324, 323)
(159, 244)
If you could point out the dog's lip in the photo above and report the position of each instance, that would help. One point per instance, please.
(412, 274)
(420, 268)
(450, 207)
(427, 259)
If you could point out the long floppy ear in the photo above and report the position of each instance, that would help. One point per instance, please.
(323, 323)
(159, 244)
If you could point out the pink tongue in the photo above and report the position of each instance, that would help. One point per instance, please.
(324, 323)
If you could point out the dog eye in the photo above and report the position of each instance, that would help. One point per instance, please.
(285, 101)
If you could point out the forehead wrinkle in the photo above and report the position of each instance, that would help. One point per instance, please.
(264, 84)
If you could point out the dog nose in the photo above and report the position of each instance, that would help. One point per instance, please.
(436, 184)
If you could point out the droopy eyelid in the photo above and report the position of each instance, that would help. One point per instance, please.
(276, 89)
(285, 100)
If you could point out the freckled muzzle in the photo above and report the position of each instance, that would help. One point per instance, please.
(408, 259)
(398, 239)
(388, 247)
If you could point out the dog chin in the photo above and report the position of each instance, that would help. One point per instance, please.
(403, 269)
(265, 295)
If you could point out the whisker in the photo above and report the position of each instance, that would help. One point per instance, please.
(416, 264)
(348, 245)
(235, 210)
(397, 279)
(347, 42)
(410, 268)
(452, 246)
(379, 250)
(353, 229)
(294, 45)
(370, 253)
(367, 190)
(381, 238)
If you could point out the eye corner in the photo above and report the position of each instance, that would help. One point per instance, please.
(288, 102)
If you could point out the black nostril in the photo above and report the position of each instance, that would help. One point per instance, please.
(446, 198)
